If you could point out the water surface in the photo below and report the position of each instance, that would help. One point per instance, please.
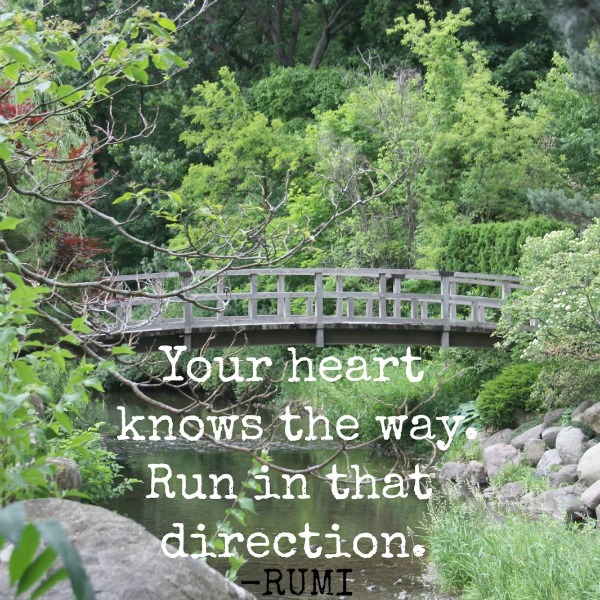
(375, 578)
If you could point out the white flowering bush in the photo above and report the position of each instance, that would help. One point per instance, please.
(563, 271)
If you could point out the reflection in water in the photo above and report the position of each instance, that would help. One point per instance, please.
(376, 578)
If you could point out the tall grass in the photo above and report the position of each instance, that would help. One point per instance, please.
(512, 557)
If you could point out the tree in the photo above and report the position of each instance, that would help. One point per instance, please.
(62, 71)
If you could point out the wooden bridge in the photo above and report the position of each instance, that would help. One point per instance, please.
(307, 306)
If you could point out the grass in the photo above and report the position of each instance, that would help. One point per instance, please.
(463, 450)
(523, 474)
(512, 557)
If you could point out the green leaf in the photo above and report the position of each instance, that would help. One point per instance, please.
(64, 420)
(12, 522)
(126, 196)
(23, 553)
(69, 59)
(160, 62)
(19, 54)
(70, 339)
(9, 223)
(239, 515)
(134, 73)
(6, 151)
(80, 325)
(55, 537)
(49, 583)
(173, 58)
(166, 24)
(34, 572)
(117, 350)
(94, 383)
(246, 504)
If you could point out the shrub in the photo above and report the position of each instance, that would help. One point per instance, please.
(490, 247)
(501, 396)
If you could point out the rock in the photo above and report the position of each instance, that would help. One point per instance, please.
(488, 494)
(591, 443)
(510, 492)
(475, 473)
(550, 459)
(566, 476)
(591, 417)
(532, 433)
(570, 444)
(553, 417)
(557, 504)
(453, 471)
(67, 475)
(591, 496)
(500, 437)
(576, 415)
(38, 405)
(588, 469)
(549, 436)
(533, 452)
(124, 561)
(498, 455)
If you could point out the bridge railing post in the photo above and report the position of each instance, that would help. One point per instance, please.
(186, 280)
(445, 293)
(382, 295)
(320, 335)
(397, 293)
(220, 297)
(339, 302)
(253, 302)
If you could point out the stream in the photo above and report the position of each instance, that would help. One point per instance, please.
(375, 578)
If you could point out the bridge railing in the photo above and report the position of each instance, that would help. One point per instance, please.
(260, 296)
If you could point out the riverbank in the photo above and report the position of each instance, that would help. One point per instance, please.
(519, 520)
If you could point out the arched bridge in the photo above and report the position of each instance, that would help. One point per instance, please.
(308, 306)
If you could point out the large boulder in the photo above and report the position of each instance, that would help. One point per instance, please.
(533, 452)
(570, 444)
(557, 504)
(500, 437)
(553, 417)
(567, 475)
(548, 462)
(453, 471)
(123, 560)
(588, 469)
(591, 417)
(591, 496)
(510, 493)
(549, 436)
(533, 433)
(576, 416)
(475, 473)
(498, 455)
(66, 474)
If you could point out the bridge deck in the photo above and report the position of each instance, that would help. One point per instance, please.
(306, 306)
